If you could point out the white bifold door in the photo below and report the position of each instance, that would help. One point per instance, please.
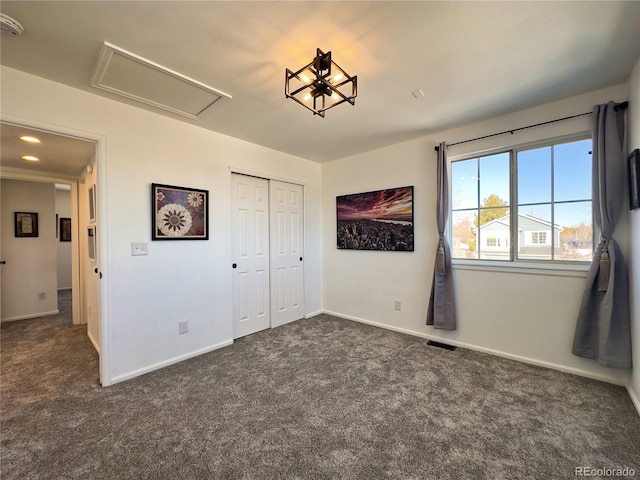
(267, 249)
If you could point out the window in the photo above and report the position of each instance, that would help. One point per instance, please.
(538, 238)
(537, 197)
(496, 241)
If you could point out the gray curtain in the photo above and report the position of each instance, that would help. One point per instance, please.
(442, 310)
(603, 326)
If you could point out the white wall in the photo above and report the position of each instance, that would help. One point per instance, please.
(519, 315)
(31, 261)
(178, 280)
(63, 210)
(633, 118)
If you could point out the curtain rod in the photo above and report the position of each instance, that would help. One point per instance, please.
(622, 105)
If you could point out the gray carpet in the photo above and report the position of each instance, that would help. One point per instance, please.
(322, 398)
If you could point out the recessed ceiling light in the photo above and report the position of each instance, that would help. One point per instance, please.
(30, 158)
(29, 139)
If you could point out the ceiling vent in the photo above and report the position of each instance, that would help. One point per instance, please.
(9, 25)
(137, 78)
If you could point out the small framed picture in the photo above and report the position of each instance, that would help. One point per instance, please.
(92, 204)
(26, 224)
(634, 179)
(179, 213)
(91, 243)
(65, 229)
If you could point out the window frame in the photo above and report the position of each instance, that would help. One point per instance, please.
(515, 264)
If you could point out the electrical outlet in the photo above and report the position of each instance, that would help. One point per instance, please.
(183, 327)
(139, 248)
(42, 296)
(398, 305)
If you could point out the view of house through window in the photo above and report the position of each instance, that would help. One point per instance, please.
(524, 204)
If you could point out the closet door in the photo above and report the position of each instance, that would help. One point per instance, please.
(287, 260)
(250, 254)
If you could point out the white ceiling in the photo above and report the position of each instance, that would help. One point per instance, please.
(473, 60)
(59, 155)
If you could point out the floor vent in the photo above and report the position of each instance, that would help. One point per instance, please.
(441, 345)
(137, 78)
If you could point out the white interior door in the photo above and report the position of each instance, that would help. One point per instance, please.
(287, 272)
(91, 274)
(250, 254)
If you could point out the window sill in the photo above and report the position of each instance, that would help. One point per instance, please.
(557, 270)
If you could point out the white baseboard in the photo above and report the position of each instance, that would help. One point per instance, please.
(634, 399)
(498, 353)
(93, 341)
(313, 314)
(166, 363)
(33, 315)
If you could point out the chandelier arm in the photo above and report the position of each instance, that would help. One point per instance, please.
(298, 72)
(315, 112)
(295, 92)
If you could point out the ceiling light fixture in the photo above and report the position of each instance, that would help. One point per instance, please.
(321, 85)
(29, 139)
(30, 158)
(10, 25)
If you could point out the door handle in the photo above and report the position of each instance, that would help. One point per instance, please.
(300, 258)
(235, 265)
(3, 262)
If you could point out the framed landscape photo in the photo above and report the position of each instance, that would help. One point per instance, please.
(65, 229)
(179, 213)
(379, 220)
(26, 224)
(634, 179)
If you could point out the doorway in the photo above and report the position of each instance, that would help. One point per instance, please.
(267, 227)
(64, 252)
(67, 157)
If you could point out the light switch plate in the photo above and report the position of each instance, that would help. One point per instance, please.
(139, 248)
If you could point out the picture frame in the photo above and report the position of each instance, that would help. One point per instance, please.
(378, 220)
(26, 224)
(91, 243)
(633, 161)
(65, 229)
(92, 203)
(179, 213)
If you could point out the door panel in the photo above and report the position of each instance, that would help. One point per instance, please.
(250, 253)
(287, 288)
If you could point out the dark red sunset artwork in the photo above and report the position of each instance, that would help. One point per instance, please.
(380, 220)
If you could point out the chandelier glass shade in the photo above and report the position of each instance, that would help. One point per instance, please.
(321, 84)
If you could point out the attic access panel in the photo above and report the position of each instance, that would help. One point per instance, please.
(124, 73)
